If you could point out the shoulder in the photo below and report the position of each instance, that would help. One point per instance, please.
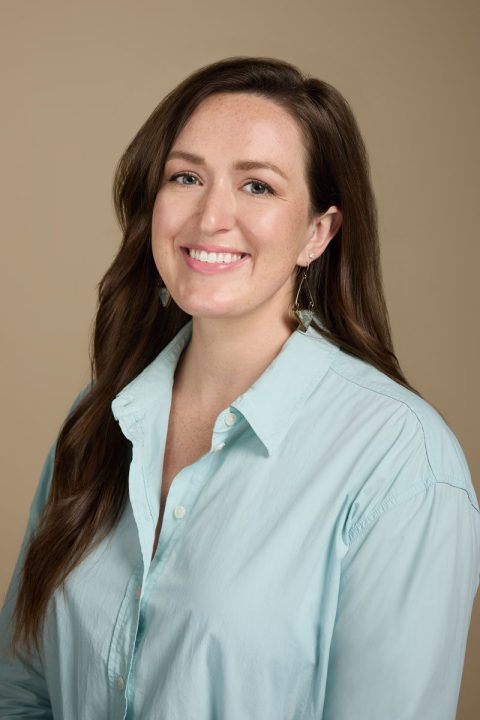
(414, 432)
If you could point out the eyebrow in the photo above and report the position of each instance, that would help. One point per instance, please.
(239, 165)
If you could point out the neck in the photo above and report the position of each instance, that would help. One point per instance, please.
(226, 355)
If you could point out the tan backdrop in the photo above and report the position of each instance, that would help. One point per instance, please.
(79, 78)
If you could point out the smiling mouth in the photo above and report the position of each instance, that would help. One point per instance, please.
(229, 252)
(215, 266)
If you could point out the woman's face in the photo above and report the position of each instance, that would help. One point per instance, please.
(209, 198)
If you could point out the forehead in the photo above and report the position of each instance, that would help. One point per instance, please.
(230, 121)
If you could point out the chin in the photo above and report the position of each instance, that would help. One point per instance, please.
(211, 308)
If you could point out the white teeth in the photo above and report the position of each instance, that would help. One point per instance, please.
(212, 257)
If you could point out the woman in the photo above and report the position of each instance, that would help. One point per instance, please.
(249, 512)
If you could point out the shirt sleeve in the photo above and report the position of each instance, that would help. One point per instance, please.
(407, 588)
(23, 690)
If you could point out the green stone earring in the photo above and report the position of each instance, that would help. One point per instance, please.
(304, 315)
(165, 296)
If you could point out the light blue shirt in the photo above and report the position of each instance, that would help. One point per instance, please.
(319, 562)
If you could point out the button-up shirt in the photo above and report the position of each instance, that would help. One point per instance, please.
(320, 561)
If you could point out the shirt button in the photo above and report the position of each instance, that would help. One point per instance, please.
(230, 418)
(219, 447)
(138, 592)
(120, 682)
(179, 511)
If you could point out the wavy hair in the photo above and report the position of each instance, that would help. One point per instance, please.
(89, 483)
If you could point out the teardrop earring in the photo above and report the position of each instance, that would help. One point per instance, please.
(304, 315)
(165, 296)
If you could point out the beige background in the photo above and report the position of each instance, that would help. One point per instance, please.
(78, 80)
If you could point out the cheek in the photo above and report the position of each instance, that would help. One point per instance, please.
(277, 239)
(266, 220)
(166, 219)
(161, 231)
(276, 226)
(170, 214)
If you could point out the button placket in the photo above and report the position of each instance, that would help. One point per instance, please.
(180, 512)
(230, 419)
(180, 500)
(122, 648)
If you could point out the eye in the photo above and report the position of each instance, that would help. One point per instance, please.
(183, 175)
(261, 185)
(267, 190)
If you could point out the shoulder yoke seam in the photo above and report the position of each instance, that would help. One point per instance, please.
(407, 405)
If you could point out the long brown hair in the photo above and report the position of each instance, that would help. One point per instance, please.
(89, 485)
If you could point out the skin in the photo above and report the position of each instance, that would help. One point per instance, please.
(241, 317)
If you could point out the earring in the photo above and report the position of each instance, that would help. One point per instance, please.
(304, 315)
(165, 296)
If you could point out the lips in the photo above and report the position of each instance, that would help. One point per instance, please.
(206, 268)
(214, 248)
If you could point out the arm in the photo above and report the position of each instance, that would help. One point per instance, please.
(408, 584)
(23, 690)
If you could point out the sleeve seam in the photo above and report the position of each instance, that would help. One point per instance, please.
(395, 499)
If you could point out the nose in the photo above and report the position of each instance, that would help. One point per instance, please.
(217, 208)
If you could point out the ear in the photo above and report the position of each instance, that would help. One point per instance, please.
(323, 228)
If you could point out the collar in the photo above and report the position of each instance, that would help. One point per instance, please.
(270, 404)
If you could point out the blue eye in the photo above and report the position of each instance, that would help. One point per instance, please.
(262, 185)
(266, 188)
(179, 175)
